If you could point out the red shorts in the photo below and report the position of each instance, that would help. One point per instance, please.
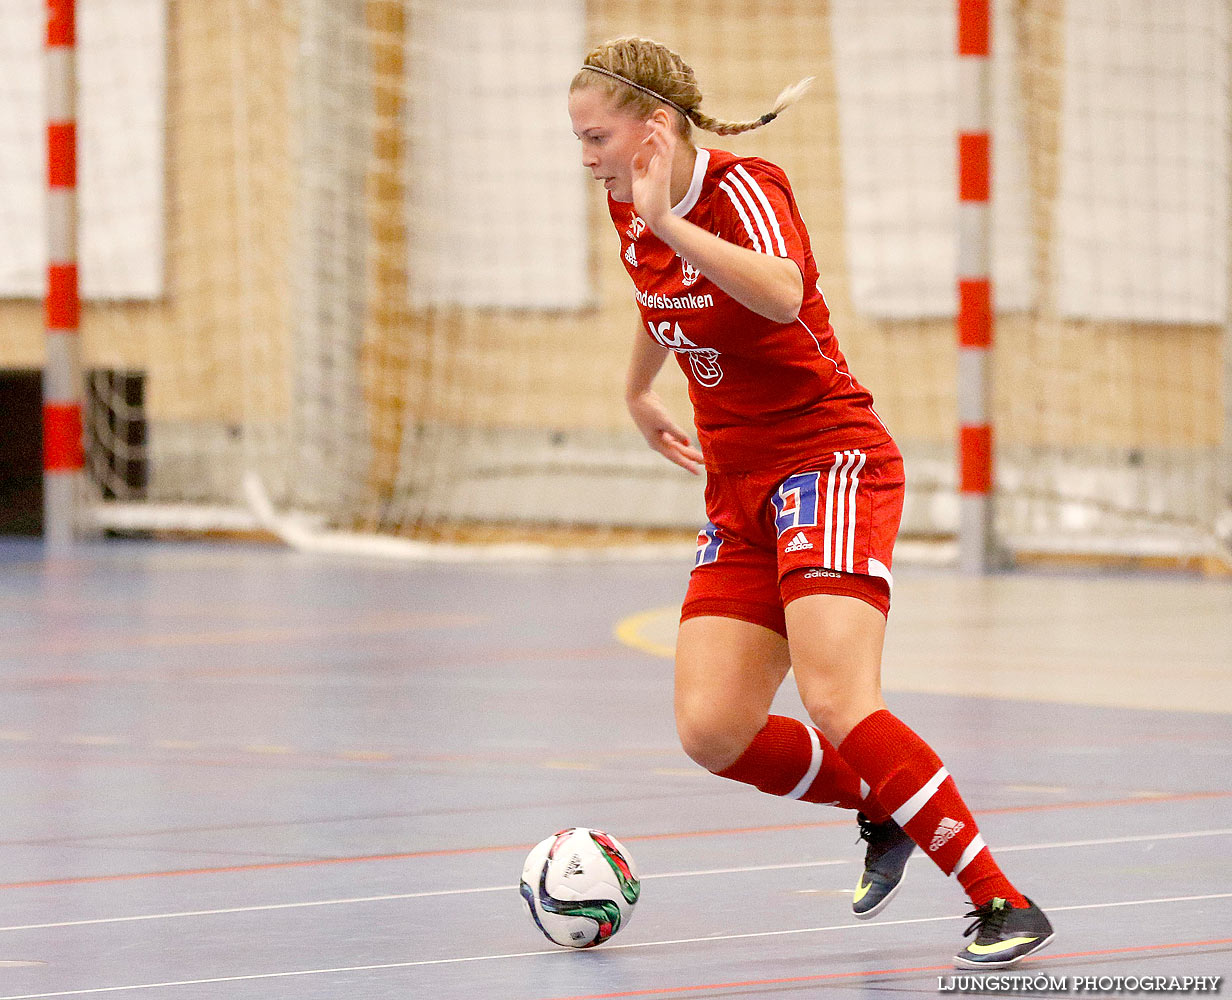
(828, 529)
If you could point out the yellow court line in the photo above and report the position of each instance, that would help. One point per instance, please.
(632, 631)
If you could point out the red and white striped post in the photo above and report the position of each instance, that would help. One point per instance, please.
(63, 450)
(976, 545)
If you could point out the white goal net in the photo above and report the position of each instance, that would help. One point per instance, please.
(343, 272)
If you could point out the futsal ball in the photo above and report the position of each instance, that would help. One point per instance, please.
(580, 886)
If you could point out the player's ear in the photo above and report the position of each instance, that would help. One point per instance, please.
(660, 117)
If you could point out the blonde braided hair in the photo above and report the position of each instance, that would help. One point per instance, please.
(638, 74)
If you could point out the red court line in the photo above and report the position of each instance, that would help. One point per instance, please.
(494, 848)
(666, 990)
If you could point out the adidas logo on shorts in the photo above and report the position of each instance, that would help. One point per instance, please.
(946, 831)
(798, 544)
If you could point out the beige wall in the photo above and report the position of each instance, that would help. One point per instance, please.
(216, 347)
(223, 319)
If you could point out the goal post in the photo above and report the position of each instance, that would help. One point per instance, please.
(340, 263)
(977, 544)
(62, 437)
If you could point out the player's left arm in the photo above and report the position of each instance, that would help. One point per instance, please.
(771, 286)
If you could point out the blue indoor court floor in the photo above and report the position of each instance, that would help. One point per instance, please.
(238, 772)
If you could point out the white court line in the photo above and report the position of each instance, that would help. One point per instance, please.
(398, 895)
(863, 925)
(1185, 835)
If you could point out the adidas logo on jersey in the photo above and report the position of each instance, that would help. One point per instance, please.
(814, 574)
(946, 831)
(798, 544)
(631, 255)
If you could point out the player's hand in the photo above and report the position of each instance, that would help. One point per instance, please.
(652, 173)
(661, 432)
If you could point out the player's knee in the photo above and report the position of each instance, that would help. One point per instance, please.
(713, 738)
(836, 712)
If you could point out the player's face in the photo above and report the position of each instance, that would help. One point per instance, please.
(609, 139)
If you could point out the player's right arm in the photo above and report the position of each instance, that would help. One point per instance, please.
(648, 411)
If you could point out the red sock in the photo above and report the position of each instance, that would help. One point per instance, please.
(795, 761)
(909, 779)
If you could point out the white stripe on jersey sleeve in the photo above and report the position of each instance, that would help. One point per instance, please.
(743, 215)
(765, 203)
(754, 211)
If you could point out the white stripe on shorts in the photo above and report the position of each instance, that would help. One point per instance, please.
(826, 545)
(851, 514)
(839, 545)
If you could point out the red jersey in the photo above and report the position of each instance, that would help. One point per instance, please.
(765, 394)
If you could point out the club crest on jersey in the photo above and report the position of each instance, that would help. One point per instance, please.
(636, 227)
(704, 363)
(688, 273)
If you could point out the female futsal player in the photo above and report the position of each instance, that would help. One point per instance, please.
(804, 489)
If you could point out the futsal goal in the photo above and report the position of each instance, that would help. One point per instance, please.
(344, 278)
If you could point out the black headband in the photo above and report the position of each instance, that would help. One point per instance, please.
(636, 86)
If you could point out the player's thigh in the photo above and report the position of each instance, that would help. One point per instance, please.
(836, 642)
(727, 672)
